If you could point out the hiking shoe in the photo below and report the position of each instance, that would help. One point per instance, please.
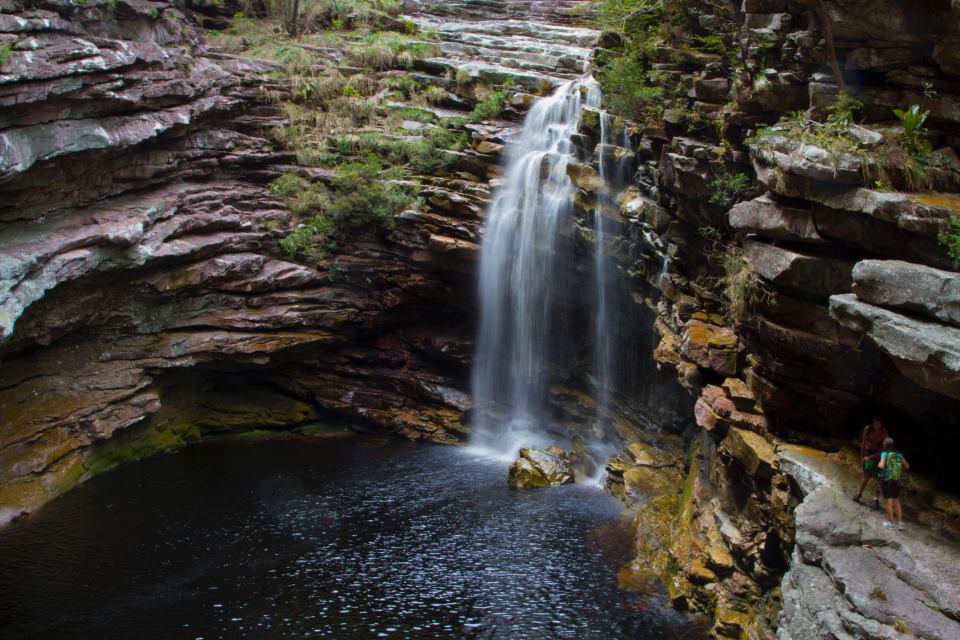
(901, 526)
(876, 503)
(887, 524)
(856, 498)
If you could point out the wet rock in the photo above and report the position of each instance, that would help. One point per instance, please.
(926, 352)
(535, 469)
(698, 573)
(751, 451)
(643, 455)
(816, 275)
(900, 285)
(584, 177)
(738, 392)
(710, 346)
(767, 218)
(648, 481)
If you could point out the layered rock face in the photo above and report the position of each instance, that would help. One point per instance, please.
(146, 303)
(800, 288)
(145, 300)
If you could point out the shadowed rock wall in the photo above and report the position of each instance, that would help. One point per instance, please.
(143, 290)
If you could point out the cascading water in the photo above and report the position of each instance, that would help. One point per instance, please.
(603, 365)
(518, 275)
(520, 279)
(603, 321)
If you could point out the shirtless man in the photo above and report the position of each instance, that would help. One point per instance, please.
(871, 444)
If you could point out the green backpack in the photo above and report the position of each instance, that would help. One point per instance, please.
(893, 467)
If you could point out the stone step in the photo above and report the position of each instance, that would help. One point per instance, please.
(484, 39)
(560, 11)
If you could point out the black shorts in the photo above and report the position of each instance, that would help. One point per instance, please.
(890, 489)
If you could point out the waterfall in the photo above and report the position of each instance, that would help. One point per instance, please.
(520, 279)
(604, 328)
(518, 275)
(603, 322)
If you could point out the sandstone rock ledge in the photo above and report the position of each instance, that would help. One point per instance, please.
(850, 578)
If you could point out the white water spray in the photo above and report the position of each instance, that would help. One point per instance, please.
(517, 270)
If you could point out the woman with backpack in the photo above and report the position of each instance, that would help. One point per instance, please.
(892, 465)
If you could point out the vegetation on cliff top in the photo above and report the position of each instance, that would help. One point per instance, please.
(891, 157)
(352, 109)
(301, 16)
(653, 35)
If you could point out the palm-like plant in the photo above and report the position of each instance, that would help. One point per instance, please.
(912, 120)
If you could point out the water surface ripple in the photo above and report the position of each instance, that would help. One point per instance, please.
(330, 538)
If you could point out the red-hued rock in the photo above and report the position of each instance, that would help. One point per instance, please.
(710, 347)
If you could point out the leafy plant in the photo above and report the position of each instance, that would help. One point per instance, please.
(6, 51)
(842, 113)
(626, 89)
(153, 13)
(709, 232)
(913, 131)
(364, 193)
(635, 16)
(950, 238)
(489, 108)
(741, 286)
(729, 189)
(894, 160)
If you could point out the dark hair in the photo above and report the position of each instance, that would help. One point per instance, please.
(888, 443)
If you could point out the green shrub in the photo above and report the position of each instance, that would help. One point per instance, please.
(6, 51)
(635, 17)
(950, 238)
(368, 191)
(729, 190)
(842, 113)
(240, 24)
(489, 108)
(364, 193)
(153, 13)
(741, 286)
(626, 89)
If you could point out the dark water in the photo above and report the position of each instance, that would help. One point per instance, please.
(333, 538)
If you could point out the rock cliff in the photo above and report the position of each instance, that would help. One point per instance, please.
(165, 278)
(146, 301)
(796, 259)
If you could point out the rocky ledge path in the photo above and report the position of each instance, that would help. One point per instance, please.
(851, 578)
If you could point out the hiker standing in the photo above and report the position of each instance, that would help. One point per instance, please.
(871, 444)
(892, 464)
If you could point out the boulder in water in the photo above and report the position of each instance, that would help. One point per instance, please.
(535, 468)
